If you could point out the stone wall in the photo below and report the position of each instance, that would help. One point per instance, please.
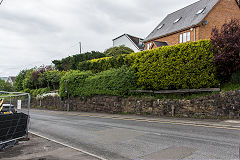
(223, 105)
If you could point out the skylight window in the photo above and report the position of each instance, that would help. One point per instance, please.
(200, 11)
(177, 20)
(160, 27)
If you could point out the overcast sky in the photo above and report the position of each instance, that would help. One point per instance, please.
(35, 32)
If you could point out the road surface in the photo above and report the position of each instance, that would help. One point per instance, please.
(139, 138)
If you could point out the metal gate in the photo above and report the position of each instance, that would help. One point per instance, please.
(14, 122)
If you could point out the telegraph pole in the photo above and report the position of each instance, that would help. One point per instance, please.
(1, 2)
(80, 47)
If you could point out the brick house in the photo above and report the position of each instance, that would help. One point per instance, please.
(193, 23)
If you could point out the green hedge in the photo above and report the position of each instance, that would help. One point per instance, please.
(103, 64)
(111, 82)
(184, 66)
(71, 62)
(73, 81)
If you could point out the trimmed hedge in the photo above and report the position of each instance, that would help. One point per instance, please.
(71, 62)
(184, 66)
(111, 82)
(103, 64)
(73, 81)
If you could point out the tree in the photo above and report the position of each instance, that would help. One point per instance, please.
(18, 83)
(5, 86)
(50, 79)
(117, 51)
(226, 43)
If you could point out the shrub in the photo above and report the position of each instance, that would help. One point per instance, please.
(226, 43)
(50, 79)
(235, 78)
(112, 82)
(72, 82)
(118, 51)
(18, 83)
(103, 64)
(5, 86)
(28, 82)
(184, 66)
(36, 92)
(71, 62)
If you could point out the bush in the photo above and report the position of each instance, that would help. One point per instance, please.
(71, 62)
(18, 83)
(118, 51)
(235, 78)
(184, 66)
(103, 64)
(5, 86)
(226, 43)
(36, 92)
(112, 82)
(50, 79)
(72, 82)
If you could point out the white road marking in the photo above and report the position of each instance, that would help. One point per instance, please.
(66, 145)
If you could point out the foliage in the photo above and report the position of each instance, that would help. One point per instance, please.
(37, 78)
(5, 86)
(39, 91)
(102, 64)
(50, 79)
(111, 82)
(184, 66)
(118, 51)
(72, 82)
(18, 83)
(71, 62)
(235, 78)
(226, 43)
(28, 82)
(228, 86)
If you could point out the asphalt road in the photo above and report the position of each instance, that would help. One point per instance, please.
(138, 138)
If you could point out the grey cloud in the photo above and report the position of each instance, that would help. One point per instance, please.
(33, 32)
(26, 23)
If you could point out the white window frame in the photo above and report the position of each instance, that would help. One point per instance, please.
(181, 38)
(188, 36)
(185, 37)
(148, 46)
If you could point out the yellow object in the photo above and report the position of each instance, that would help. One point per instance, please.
(1, 105)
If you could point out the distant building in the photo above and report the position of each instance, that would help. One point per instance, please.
(193, 22)
(11, 80)
(135, 43)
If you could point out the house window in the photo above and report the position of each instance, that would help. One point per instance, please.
(149, 46)
(188, 36)
(180, 38)
(185, 37)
